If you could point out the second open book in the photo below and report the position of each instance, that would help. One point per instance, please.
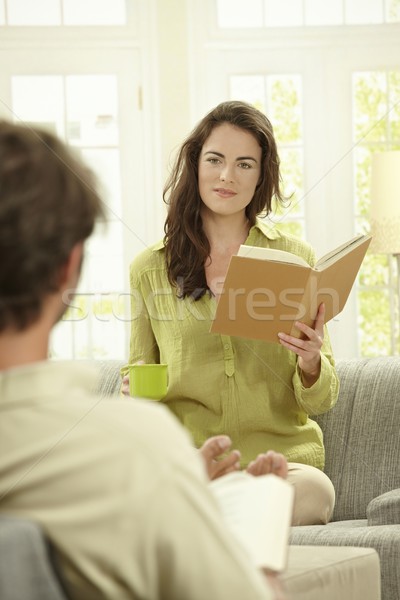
(267, 290)
(258, 511)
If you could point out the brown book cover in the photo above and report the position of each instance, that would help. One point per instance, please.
(266, 290)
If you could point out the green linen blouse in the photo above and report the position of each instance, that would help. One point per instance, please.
(248, 389)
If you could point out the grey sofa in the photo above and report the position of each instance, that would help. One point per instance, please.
(362, 437)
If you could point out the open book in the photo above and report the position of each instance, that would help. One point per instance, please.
(267, 290)
(258, 511)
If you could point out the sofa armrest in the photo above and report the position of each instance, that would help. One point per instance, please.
(26, 567)
(385, 509)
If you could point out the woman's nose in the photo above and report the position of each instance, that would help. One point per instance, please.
(225, 174)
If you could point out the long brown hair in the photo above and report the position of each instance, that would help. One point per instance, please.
(186, 244)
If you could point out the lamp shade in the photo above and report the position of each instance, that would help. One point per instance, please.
(385, 202)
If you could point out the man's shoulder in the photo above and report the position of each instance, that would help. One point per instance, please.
(145, 428)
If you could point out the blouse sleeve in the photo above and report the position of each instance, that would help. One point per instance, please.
(323, 395)
(143, 345)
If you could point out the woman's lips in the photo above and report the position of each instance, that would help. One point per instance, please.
(224, 193)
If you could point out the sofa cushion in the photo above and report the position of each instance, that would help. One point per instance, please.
(385, 539)
(331, 573)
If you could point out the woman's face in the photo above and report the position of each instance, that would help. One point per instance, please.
(229, 170)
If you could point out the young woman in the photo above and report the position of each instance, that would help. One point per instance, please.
(259, 394)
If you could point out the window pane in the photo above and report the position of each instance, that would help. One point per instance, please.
(375, 129)
(236, 13)
(103, 266)
(39, 99)
(394, 106)
(292, 179)
(289, 13)
(106, 162)
(284, 102)
(249, 88)
(283, 13)
(37, 12)
(95, 324)
(94, 12)
(374, 322)
(360, 11)
(88, 105)
(392, 11)
(92, 103)
(370, 106)
(323, 13)
(374, 271)
(93, 328)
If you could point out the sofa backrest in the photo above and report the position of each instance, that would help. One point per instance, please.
(362, 434)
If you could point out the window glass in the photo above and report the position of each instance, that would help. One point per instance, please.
(39, 12)
(376, 127)
(284, 13)
(394, 105)
(63, 12)
(374, 321)
(360, 12)
(94, 324)
(235, 13)
(106, 162)
(82, 109)
(94, 12)
(323, 13)
(39, 99)
(297, 13)
(392, 11)
(92, 105)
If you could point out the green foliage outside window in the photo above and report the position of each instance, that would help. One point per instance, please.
(376, 127)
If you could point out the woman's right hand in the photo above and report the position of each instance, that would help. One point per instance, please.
(125, 385)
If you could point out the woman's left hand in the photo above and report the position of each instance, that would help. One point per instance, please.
(309, 348)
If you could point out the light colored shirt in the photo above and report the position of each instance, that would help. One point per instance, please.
(248, 389)
(119, 490)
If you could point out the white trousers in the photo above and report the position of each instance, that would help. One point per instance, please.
(314, 495)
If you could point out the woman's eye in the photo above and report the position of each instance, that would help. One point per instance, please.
(244, 165)
(213, 161)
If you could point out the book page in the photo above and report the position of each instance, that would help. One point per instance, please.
(271, 254)
(340, 251)
(258, 511)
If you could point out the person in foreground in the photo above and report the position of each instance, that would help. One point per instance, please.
(260, 394)
(117, 486)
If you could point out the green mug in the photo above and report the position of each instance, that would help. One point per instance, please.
(148, 381)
